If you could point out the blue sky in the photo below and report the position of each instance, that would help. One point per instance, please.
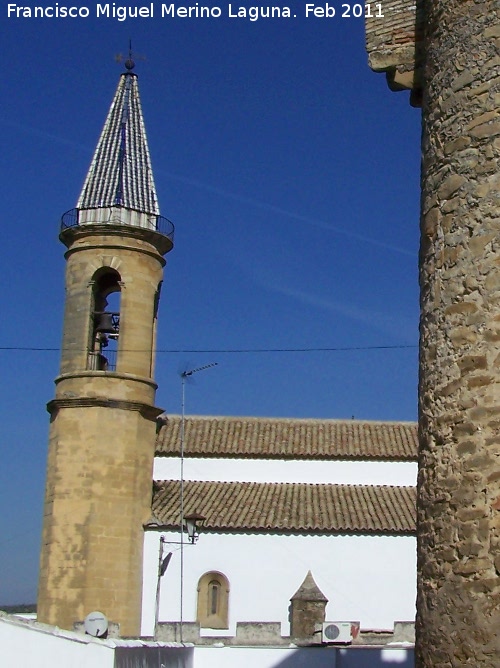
(291, 173)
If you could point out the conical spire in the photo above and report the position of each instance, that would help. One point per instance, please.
(120, 187)
(309, 590)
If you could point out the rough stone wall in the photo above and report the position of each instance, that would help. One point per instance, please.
(458, 607)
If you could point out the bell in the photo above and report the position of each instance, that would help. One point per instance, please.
(104, 323)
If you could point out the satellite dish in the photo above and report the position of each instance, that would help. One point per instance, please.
(96, 624)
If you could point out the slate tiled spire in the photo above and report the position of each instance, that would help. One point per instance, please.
(120, 175)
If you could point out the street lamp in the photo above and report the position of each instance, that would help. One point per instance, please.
(192, 523)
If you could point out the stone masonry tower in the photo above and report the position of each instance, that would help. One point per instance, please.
(456, 66)
(102, 427)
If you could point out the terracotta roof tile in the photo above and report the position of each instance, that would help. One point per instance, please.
(274, 438)
(289, 508)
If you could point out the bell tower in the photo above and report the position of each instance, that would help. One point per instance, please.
(103, 416)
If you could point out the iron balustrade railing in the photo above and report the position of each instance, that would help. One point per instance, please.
(102, 361)
(159, 224)
(69, 219)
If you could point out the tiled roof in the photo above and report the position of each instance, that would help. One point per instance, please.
(273, 438)
(120, 173)
(288, 508)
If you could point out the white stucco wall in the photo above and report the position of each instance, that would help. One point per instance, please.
(268, 470)
(291, 657)
(263, 657)
(27, 644)
(366, 579)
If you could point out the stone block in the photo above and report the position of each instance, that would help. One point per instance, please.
(171, 632)
(258, 633)
(450, 185)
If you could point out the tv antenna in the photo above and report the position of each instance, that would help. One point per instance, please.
(187, 373)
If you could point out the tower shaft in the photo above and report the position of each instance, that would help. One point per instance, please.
(458, 607)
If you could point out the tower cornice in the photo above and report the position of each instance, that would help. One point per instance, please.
(146, 410)
(162, 242)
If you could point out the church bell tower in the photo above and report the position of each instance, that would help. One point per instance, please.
(103, 416)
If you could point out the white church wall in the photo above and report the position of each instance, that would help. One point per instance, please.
(371, 579)
(269, 470)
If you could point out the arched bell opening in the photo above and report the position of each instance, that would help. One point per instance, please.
(156, 305)
(104, 320)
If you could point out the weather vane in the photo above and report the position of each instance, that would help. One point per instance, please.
(129, 61)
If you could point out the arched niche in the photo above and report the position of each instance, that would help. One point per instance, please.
(213, 601)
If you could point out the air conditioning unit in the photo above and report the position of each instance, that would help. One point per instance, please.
(342, 633)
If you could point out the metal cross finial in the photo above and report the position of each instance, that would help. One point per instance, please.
(129, 63)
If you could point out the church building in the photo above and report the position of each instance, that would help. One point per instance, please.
(280, 498)
(290, 507)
